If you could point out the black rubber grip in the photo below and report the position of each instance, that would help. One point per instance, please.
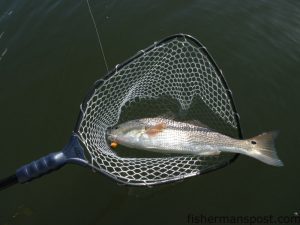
(8, 181)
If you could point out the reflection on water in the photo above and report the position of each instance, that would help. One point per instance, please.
(50, 57)
(2, 32)
(20, 214)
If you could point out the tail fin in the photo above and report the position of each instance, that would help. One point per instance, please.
(264, 149)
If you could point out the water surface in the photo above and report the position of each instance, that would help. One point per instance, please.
(49, 57)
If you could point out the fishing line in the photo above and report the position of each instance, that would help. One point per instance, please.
(98, 35)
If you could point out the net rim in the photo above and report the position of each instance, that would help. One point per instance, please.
(219, 73)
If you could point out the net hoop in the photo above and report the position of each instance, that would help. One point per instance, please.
(119, 67)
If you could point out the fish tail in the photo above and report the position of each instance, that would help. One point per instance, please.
(263, 148)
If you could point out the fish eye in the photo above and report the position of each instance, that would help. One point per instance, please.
(253, 142)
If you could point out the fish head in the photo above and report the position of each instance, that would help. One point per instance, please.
(127, 133)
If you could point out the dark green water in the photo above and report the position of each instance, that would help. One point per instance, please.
(49, 58)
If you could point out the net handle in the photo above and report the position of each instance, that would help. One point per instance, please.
(71, 153)
(8, 181)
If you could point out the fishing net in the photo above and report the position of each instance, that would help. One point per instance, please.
(174, 75)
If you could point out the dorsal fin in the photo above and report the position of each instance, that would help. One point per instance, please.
(154, 130)
(168, 115)
(197, 123)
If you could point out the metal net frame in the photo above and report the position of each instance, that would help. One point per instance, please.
(176, 74)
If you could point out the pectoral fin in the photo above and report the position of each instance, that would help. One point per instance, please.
(210, 153)
(154, 130)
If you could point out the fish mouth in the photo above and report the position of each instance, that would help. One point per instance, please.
(109, 135)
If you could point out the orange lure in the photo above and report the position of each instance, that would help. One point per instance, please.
(114, 144)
